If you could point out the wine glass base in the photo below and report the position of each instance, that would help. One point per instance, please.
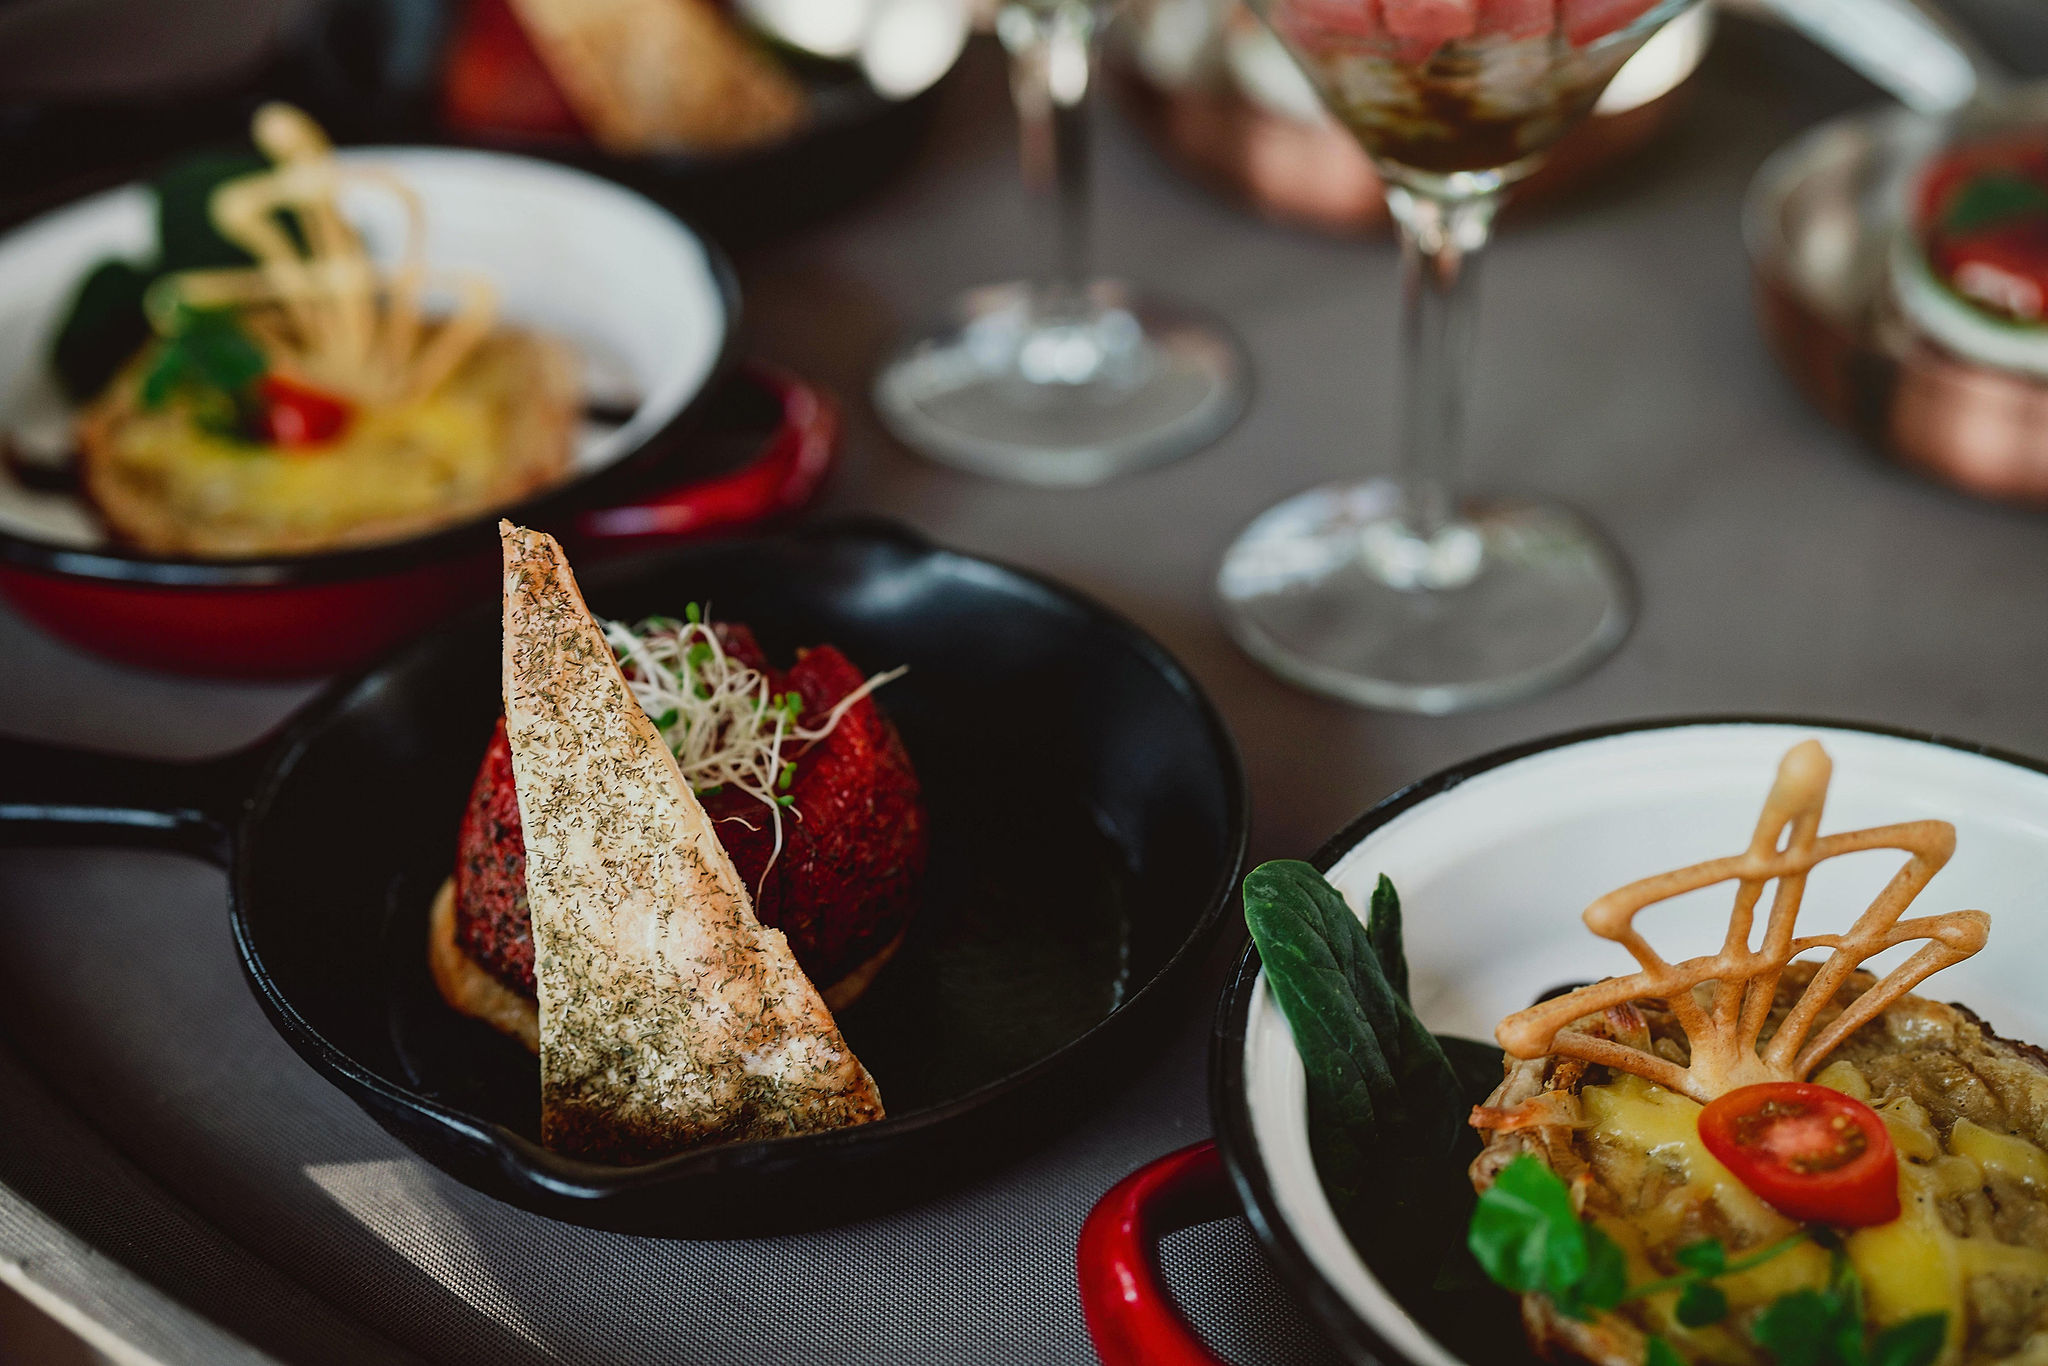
(1015, 390)
(1302, 593)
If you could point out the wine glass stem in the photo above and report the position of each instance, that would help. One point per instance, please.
(1052, 45)
(1441, 239)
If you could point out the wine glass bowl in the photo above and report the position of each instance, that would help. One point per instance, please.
(1439, 88)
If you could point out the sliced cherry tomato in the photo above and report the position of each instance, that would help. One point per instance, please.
(1812, 1153)
(297, 414)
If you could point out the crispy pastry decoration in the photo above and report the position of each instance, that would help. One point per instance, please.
(324, 310)
(1741, 983)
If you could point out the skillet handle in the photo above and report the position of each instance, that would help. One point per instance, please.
(54, 795)
(783, 477)
(1130, 1316)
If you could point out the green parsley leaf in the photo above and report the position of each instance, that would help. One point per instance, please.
(1910, 1342)
(1708, 1257)
(1702, 1303)
(1662, 1353)
(1606, 1280)
(208, 356)
(1526, 1234)
(1804, 1328)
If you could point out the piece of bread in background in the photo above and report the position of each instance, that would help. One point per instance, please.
(661, 75)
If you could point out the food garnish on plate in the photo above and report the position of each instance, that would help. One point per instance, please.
(1969, 269)
(289, 394)
(638, 77)
(1732, 1158)
(669, 1015)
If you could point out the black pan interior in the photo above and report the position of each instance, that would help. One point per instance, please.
(1086, 822)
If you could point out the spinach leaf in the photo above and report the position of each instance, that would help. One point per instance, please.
(186, 236)
(102, 329)
(105, 325)
(1477, 1064)
(1383, 932)
(1386, 1108)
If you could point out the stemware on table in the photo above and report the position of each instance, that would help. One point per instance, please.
(1065, 380)
(1397, 592)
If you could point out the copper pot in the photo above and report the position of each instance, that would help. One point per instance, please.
(1820, 220)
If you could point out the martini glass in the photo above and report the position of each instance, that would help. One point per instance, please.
(1065, 380)
(1397, 592)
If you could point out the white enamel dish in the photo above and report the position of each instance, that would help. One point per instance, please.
(642, 299)
(1496, 859)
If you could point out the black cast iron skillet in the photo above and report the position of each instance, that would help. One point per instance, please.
(1087, 816)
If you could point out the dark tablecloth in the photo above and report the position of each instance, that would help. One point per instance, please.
(150, 1119)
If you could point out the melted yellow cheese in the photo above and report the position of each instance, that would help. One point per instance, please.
(2007, 1154)
(1644, 1140)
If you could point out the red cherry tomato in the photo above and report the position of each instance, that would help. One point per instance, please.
(297, 414)
(1811, 1153)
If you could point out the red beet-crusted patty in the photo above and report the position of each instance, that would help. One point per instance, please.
(853, 848)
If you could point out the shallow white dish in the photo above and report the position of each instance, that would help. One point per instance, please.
(1496, 859)
(644, 301)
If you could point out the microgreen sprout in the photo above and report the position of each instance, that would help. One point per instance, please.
(718, 715)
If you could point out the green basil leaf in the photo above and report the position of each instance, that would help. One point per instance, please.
(1526, 1234)
(1910, 1342)
(1700, 1304)
(1708, 1257)
(1383, 931)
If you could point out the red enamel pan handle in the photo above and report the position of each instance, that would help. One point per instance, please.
(1129, 1313)
(782, 478)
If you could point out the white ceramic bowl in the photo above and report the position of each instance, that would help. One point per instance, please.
(644, 300)
(1495, 860)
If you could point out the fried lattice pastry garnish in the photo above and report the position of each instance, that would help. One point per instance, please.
(1739, 982)
(322, 309)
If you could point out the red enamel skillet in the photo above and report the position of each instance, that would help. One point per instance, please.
(691, 444)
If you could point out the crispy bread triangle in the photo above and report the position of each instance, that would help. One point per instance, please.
(661, 75)
(669, 1016)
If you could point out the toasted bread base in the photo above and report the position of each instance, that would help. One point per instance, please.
(469, 989)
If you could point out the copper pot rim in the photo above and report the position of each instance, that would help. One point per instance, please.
(1974, 426)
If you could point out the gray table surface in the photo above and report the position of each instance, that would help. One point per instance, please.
(1780, 570)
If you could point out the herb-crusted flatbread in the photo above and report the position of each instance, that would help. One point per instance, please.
(669, 1016)
(649, 76)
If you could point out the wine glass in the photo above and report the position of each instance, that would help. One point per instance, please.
(1067, 380)
(1396, 592)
